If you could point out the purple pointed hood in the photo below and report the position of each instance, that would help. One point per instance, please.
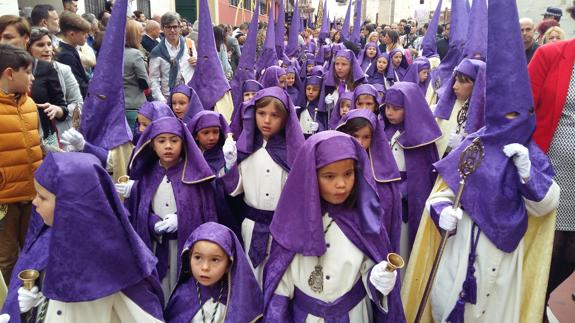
(345, 29)
(383, 166)
(195, 104)
(280, 30)
(476, 45)
(103, 115)
(304, 218)
(412, 73)
(195, 167)
(155, 110)
(419, 126)
(324, 31)
(236, 124)
(335, 116)
(246, 69)
(209, 80)
(457, 39)
(268, 56)
(288, 141)
(475, 70)
(271, 76)
(89, 218)
(244, 301)
(500, 211)
(356, 23)
(292, 48)
(429, 42)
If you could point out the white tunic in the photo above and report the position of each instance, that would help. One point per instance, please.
(498, 274)
(343, 265)
(304, 121)
(164, 203)
(209, 307)
(261, 181)
(447, 126)
(114, 308)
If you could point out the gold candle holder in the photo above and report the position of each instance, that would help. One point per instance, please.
(394, 261)
(123, 179)
(28, 278)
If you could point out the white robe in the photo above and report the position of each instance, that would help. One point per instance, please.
(343, 265)
(261, 181)
(498, 274)
(209, 307)
(447, 127)
(164, 203)
(114, 308)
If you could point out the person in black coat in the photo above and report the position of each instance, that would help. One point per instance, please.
(74, 33)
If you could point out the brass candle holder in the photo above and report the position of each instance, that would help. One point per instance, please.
(394, 261)
(28, 278)
(123, 179)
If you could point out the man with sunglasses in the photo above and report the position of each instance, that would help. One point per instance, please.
(172, 62)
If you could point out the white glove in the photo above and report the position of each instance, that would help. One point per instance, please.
(124, 189)
(313, 126)
(169, 224)
(329, 100)
(521, 160)
(449, 217)
(73, 138)
(382, 279)
(230, 152)
(27, 299)
(297, 107)
(454, 140)
(4, 318)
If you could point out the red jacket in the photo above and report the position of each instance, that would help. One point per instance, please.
(550, 72)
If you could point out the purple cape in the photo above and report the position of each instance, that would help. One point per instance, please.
(412, 73)
(209, 80)
(190, 180)
(297, 228)
(194, 106)
(281, 147)
(96, 222)
(474, 69)
(384, 171)
(420, 131)
(243, 294)
(335, 115)
(500, 211)
(104, 121)
(246, 69)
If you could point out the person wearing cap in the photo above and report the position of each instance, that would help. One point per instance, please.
(553, 13)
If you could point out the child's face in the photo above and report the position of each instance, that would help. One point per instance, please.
(143, 122)
(423, 75)
(365, 101)
(309, 67)
(396, 59)
(45, 203)
(342, 67)
(168, 147)
(269, 120)
(363, 136)
(208, 137)
(336, 181)
(248, 95)
(11, 36)
(394, 114)
(21, 79)
(462, 90)
(282, 80)
(311, 92)
(344, 107)
(290, 79)
(370, 52)
(381, 64)
(180, 104)
(209, 263)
